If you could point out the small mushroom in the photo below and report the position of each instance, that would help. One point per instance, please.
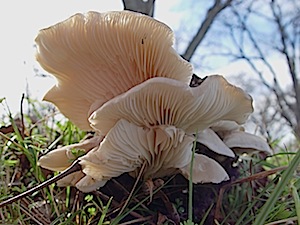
(225, 135)
(97, 56)
(243, 142)
(205, 170)
(81, 181)
(211, 140)
(60, 159)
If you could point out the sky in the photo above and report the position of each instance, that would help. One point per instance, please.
(21, 20)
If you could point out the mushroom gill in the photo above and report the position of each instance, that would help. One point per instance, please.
(163, 101)
(97, 56)
(164, 150)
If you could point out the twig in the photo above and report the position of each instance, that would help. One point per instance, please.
(34, 213)
(9, 139)
(73, 168)
(211, 14)
(127, 192)
(114, 203)
(141, 6)
(256, 176)
(133, 188)
(22, 117)
(25, 211)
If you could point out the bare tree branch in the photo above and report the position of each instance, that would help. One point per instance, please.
(256, 47)
(288, 109)
(276, 89)
(289, 57)
(211, 15)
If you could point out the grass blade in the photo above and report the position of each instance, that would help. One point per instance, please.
(286, 176)
(297, 201)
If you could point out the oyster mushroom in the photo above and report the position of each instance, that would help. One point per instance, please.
(163, 101)
(163, 149)
(118, 74)
(97, 56)
(228, 135)
(154, 123)
(60, 159)
(243, 142)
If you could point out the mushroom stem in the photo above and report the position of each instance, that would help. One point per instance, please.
(73, 168)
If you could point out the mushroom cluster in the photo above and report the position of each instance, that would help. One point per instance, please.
(117, 74)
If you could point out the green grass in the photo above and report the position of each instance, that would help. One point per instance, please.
(267, 200)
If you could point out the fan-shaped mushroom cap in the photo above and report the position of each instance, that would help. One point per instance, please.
(242, 142)
(127, 146)
(71, 179)
(97, 56)
(88, 184)
(224, 135)
(225, 126)
(61, 158)
(163, 101)
(83, 182)
(211, 140)
(205, 170)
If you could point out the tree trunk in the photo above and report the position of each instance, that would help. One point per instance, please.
(145, 7)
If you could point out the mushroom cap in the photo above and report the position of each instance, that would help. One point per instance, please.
(225, 126)
(61, 158)
(88, 184)
(211, 140)
(242, 142)
(127, 147)
(57, 160)
(226, 137)
(163, 101)
(163, 150)
(205, 170)
(71, 179)
(81, 181)
(97, 56)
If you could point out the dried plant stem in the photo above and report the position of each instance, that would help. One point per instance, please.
(133, 188)
(285, 178)
(73, 168)
(243, 180)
